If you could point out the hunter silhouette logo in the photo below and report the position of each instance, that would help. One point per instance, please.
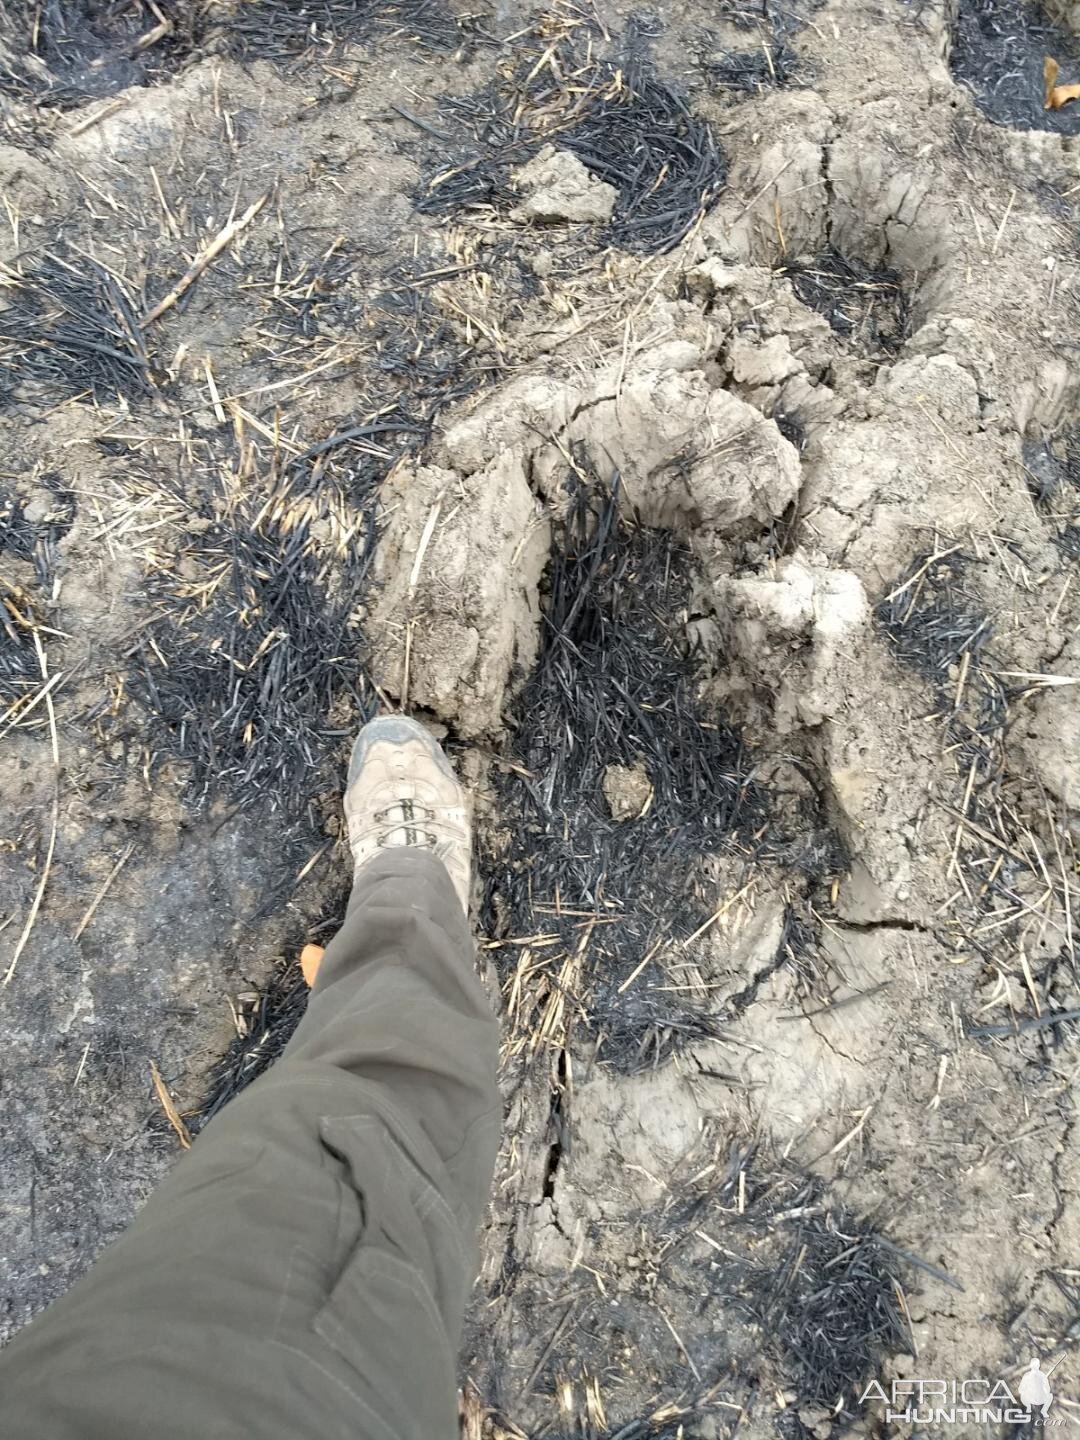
(978, 1400)
(1035, 1392)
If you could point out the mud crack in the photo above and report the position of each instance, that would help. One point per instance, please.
(559, 1125)
(869, 927)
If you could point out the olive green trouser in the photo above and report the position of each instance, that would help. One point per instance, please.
(304, 1269)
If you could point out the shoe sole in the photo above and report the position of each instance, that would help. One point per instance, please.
(395, 730)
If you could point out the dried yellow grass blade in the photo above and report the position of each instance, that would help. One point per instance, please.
(169, 1106)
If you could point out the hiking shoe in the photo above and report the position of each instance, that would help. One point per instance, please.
(402, 791)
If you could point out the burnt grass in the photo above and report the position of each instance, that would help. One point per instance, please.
(417, 351)
(767, 60)
(20, 667)
(998, 49)
(867, 307)
(266, 1024)
(932, 618)
(819, 1282)
(65, 52)
(284, 31)
(664, 162)
(795, 1291)
(35, 540)
(937, 626)
(614, 686)
(756, 70)
(70, 325)
(251, 664)
(629, 127)
(251, 652)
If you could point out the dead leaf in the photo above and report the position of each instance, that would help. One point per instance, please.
(1055, 96)
(169, 1106)
(1050, 74)
(310, 960)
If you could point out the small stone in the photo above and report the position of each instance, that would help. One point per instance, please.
(627, 790)
(812, 1415)
(40, 506)
(555, 185)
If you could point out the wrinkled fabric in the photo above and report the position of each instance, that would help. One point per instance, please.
(304, 1269)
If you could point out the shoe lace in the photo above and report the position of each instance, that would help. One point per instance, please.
(412, 815)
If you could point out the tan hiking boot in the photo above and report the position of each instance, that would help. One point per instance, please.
(402, 791)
